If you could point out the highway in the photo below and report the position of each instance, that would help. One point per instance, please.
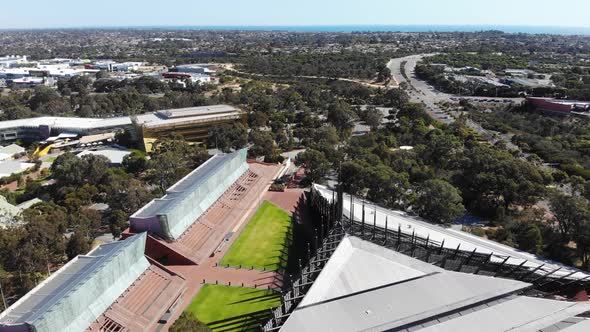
(421, 92)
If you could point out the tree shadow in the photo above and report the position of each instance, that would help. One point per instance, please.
(246, 322)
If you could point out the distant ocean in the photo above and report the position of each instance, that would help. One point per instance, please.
(389, 28)
(355, 28)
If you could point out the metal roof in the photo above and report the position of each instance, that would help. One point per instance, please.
(184, 202)
(196, 111)
(518, 314)
(12, 149)
(184, 187)
(366, 287)
(188, 116)
(160, 118)
(347, 270)
(66, 122)
(115, 156)
(452, 238)
(8, 167)
(60, 286)
(583, 326)
(419, 295)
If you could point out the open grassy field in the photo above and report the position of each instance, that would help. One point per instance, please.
(225, 308)
(264, 242)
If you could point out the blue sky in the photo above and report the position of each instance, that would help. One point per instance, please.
(76, 13)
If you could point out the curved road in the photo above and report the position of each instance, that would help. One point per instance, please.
(421, 92)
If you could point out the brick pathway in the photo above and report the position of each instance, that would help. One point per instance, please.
(211, 272)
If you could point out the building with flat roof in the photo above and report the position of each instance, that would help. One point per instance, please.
(115, 156)
(9, 167)
(557, 106)
(11, 150)
(193, 68)
(171, 215)
(193, 123)
(366, 287)
(11, 60)
(41, 128)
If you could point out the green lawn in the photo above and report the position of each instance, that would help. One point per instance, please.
(225, 308)
(264, 242)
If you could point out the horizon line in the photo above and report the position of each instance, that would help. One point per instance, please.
(250, 26)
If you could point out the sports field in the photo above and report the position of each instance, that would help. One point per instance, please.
(264, 242)
(225, 308)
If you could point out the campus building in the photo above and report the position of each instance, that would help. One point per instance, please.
(196, 216)
(143, 282)
(192, 123)
(366, 287)
(193, 68)
(81, 295)
(557, 106)
(12, 60)
(375, 269)
(187, 200)
(41, 128)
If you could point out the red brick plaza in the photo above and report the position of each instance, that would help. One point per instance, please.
(181, 267)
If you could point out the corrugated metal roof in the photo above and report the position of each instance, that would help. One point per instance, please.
(196, 111)
(582, 326)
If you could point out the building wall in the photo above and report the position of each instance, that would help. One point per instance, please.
(192, 132)
(86, 303)
(195, 204)
(547, 105)
(160, 252)
(42, 132)
(189, 206)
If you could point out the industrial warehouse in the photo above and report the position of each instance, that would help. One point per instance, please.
(193, 123)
